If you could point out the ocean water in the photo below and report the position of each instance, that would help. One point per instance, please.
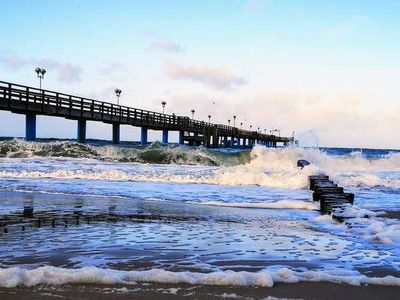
(176, 214)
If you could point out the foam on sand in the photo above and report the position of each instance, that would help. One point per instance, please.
(16, 276)
(366, 224)
(282, 204)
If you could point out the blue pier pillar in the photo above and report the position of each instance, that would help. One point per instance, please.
(30, 127)
(143, 136)
(244, 142)
(232, 142)
(116, 133)
(238, 142)
(81, 131)
(225, 141)
(181, 137)
(165, 136)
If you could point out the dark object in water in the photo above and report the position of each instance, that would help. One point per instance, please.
(302, 163)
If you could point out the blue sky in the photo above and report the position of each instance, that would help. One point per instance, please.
(329, 66)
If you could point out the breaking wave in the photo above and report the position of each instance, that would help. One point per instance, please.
(155, 153)
(262, 166)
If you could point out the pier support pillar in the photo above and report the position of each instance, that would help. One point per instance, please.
(165, 136)
(238, 142)
(30, 127)
(225, 141)
(81, 131)
(181, 135)
(143, 136)
(244, 142)
(232, 142)
(116, 133)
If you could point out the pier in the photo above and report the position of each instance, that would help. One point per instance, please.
(32, 102)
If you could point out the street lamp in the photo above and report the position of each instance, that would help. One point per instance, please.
(209, 118)
(163, 103)
(229, 122)
(241, 125)
(234, 121)
(251, 126)
(258, 129)
(40, 74)
(118, 94)
(193, 111)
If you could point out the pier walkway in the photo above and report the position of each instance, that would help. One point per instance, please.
(32, 101)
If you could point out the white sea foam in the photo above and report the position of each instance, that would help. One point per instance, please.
(367, 224)
(16, 276)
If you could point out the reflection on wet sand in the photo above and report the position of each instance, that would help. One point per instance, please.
(126, 234)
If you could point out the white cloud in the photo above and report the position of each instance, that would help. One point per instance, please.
(359, 17)
(163, 44)
(216, 78)
(14, 63)
(67, 72)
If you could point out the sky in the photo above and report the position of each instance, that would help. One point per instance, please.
(327, 67)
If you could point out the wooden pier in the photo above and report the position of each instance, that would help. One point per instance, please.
(31, 102)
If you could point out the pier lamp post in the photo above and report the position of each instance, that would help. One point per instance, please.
(229, 122)
(234, 121)
(163, 103)
(251, 126)
(209, 118)
(258, 129)
(193, 111)
(276, 130)
(241, 125)
(40, 74)
(118, 94)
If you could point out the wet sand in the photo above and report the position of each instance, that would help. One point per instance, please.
(302, 290)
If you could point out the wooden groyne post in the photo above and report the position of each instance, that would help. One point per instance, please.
(332, 198)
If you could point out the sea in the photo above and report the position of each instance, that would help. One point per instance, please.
(105, 214)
